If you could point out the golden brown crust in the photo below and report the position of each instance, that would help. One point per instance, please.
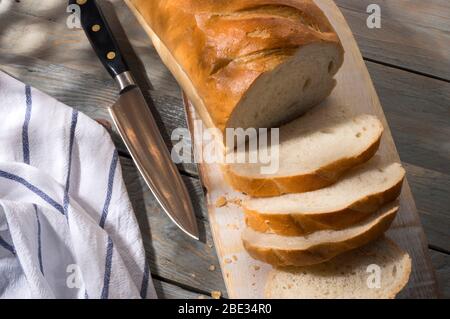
(224, 46)
(298, 224)
(321, 252)
(276, 186)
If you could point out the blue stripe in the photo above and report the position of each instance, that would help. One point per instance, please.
(112, 171)
(41, 267)
(73, 126)
(32, 188)
(25, 141)
(7, 246)
(108, 263)
(145, 280)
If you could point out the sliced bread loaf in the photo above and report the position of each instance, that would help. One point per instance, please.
(314, 151)
(347, 276)
(349, 201)
(319, 246)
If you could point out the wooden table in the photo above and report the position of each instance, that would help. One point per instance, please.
(409, 61)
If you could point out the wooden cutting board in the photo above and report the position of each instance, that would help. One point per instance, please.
(245, 277)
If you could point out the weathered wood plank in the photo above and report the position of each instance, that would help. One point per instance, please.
(418, 111)
(441, 263)
(431, 190)
(414, 34)
(171, 253)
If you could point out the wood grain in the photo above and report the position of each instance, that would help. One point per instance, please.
(418, 110)
(414, 34)
(432, 188)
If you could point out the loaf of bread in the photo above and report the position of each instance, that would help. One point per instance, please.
(245, 63)
(353, 198)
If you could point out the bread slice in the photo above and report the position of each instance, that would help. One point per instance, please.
(348, 276)
(319, 246)
(314, 151)
(352, 199)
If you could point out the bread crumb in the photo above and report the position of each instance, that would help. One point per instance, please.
(212, 268)
(228, 261)
(216, 294)
(193, 275)
(221, 201)
(236, 201)
(235, 258)
(358, 134)
(256, 268)
(232, 226)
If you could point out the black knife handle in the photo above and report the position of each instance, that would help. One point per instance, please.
(100, 36)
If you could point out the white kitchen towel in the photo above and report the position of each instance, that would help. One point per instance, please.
(67, 228)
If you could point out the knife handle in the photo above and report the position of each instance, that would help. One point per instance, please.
(100, 36)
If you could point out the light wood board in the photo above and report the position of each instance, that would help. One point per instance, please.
(246, 277)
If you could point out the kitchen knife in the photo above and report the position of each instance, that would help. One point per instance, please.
(136, 124)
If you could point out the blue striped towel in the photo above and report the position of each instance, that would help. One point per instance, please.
(67, 228)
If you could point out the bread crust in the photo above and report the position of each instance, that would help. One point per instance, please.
(223, 47)
(276, 186)
(298, 224)
(322, 252)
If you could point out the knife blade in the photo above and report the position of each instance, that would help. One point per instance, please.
(136, 124)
